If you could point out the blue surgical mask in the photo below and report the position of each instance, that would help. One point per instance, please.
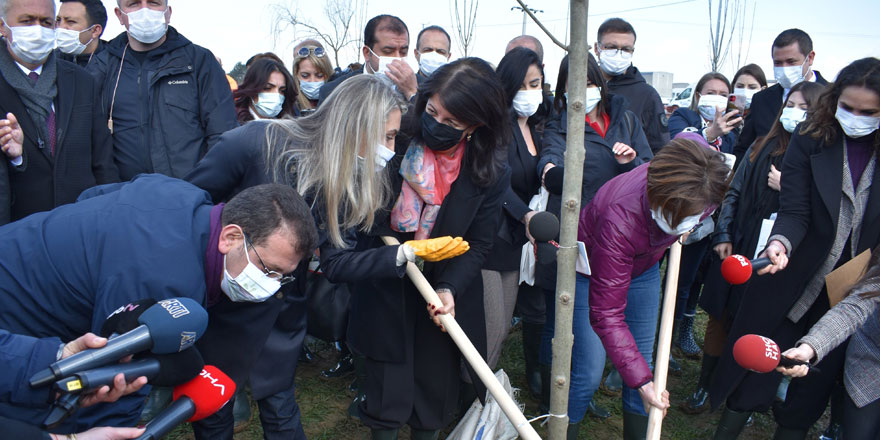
(791, 117)
(269, 105)
(311, 89)
(708, 105)
(686, 224)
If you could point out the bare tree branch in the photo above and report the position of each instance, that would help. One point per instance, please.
(464, 19)
(726, 18)
(541, 25)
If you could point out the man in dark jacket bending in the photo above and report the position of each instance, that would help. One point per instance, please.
(166, 98)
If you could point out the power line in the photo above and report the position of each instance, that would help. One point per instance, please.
(596, 15)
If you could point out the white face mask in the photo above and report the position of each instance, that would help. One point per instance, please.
(431, 61)
(526, 102)
(31, 44)
(269, 105)
(856, 126)
(594, 95)
(789, 76)
(708, 105)
(311, 89)
(791, 117)
(383, 65)
(68, 41)
(686, 224)
(383, 155)
(147, 25)
(614, 64)
(251, 285)
(746, 95)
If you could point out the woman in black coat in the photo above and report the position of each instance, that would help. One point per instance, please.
(829, 212)
(449, 182)
(335, 155)
(522, 77)
(753, 197)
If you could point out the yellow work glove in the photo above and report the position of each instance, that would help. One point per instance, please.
(440, 248)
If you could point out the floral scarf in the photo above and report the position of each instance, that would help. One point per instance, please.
(427, 175)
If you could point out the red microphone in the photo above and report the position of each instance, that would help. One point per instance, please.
(762, 355)
(737, 269)
(194, 400)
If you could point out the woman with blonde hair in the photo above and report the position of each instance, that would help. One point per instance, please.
(311, 68)
(335, 159)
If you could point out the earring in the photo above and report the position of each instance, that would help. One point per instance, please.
(469, 137)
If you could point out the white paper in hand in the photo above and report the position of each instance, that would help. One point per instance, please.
(583, 264)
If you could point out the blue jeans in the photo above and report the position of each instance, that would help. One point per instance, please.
(642, 309)
(587, 353)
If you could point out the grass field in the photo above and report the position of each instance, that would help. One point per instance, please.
(324, 404)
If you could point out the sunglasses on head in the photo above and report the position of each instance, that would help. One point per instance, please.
(304, 52)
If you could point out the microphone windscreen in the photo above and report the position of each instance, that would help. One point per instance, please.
(544, 226)
(209, 391)
(125, 318)
(177, 368)
(553, 180)
(736, 269)
(175, 324)
(756, 353)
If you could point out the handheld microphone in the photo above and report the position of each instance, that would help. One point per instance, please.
(125, 318)
(165, 370)
(194, 400)
(169, 326)
(762, 355)
(553, 180)
(544, 227)
(737, 269)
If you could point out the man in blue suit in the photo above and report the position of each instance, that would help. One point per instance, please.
(64, 271)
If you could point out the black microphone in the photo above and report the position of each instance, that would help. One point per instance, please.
(162, 370)
(544, 227)
(169, 326)
(125, 318)
(553, 180)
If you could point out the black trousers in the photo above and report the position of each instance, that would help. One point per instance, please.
(861, 423)
(530, 304)
(422, 391)
(807, 397)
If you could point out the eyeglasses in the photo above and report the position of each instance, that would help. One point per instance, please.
(304, 52)
(613, 51)
(283, 279)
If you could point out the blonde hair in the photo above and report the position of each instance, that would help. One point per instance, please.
(319, 154)
(322, 64)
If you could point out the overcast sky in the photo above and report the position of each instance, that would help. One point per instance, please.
(673, 35)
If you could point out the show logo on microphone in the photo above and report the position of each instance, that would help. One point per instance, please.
(174, 307)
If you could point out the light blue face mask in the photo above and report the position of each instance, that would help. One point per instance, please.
(311, 89)
(269, 105)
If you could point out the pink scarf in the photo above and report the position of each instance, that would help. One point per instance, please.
(427, 175)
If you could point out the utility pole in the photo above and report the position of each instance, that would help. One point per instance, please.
(525, 15)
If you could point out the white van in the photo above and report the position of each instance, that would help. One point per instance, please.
(684, 98)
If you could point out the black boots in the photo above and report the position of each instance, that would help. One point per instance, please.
(783, 433)
(635, 426)
(731, 424)
(545, 389)
(572, 432)
(685, 340)
(531, 342)
(383, 434)
(344, 366)
(420, 434)
(699, 401)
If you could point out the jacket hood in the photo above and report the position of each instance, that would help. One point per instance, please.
(173, 40)
(631, 76)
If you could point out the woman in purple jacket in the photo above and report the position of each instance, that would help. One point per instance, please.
(626, 228)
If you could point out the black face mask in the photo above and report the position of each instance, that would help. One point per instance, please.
(437, 136)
